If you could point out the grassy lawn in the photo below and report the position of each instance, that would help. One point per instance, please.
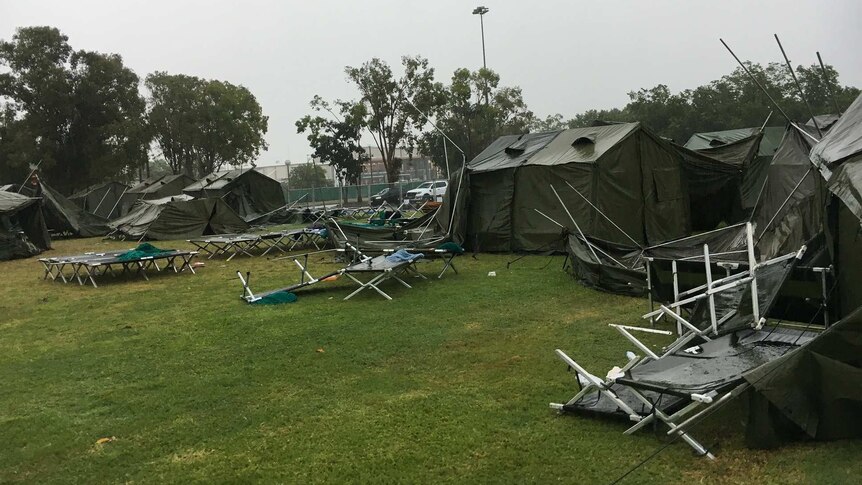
(449, 382)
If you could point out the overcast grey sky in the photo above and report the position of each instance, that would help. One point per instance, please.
(568, 56)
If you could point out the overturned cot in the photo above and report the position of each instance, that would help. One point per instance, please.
(368, 274)
(84, 268)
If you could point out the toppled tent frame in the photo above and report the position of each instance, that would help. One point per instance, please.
(721, 339)
(22, 227)
(86, 267)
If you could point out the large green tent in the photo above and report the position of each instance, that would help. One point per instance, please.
(102, 200)
(250, 193)
(178, 219)
(628, 174)
(22, 227)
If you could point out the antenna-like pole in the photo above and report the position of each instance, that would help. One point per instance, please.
(799, 87)
(757, 82)
(826, 83)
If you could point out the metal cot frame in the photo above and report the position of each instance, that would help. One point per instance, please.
(86, 267)
(686, 331)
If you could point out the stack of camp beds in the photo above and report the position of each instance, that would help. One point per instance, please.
(86, 267)
(721, 335)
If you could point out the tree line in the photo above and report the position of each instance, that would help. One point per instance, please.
(474, 108)
(81, 118)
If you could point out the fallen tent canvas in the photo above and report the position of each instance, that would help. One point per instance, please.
(62, 216)
(248, 192)
(22, 227)
(178, 219)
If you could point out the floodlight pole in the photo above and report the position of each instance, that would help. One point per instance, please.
(481, 11)
(799, 87)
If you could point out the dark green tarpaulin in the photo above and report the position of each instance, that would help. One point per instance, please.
(813, 391)
(174, 220)
(626, 172)
(603, 273)
(843, 140)
(102, 200)
(63, 217)
(22, 227)
(723, 181)
(248, 192)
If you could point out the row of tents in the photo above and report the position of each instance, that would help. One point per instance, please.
(164, 207)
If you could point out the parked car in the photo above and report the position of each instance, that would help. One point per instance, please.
(392, 195)
(428, 191)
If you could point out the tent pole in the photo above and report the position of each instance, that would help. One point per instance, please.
(605, 216)
(798, 86)
(826, 83)
(759, 195)
(757, 82)
(752, 266)
(446, 156)
(100, 202)
(780, 208)
(117, 202)
(575, 223)
(28, 176)
(763, 126)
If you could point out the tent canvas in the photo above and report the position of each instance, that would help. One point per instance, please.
(62, 216)
(22, 227)
(102, 200)
(631, 175)
(179, 219)
(250, 193)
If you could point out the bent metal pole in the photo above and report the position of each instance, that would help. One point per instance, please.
(575, 223)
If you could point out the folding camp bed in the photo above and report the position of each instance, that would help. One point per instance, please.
(721, 337)
(445, 254)
(368, 273)
(85, 268)
(232, 244)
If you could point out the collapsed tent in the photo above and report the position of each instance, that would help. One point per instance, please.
(250, 193)
(620, 172)
(103, 200)
(178, 219)
(155, 187)
(418, 232)
(22, 227)
(723, 181)
(62, 216)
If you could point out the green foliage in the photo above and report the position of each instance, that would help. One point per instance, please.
(336, 142)
(78, 112)
(202, 125)
(475, 111)
(733, 101)
(307, 176)
(384, 109)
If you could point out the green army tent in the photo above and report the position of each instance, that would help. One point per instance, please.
(156, 187)
(250, 193)
(22, 227)
(168, 219)
(102, 200)
(625, 171)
